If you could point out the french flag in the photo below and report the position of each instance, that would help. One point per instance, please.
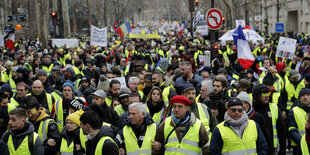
(181, 28)
(245, 55)
(10, 40)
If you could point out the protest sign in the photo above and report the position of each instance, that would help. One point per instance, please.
(65, 42)
(1, 41)
(286, 48)
(98, 36)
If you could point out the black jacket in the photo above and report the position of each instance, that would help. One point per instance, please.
(42, 99)
(48, 86)
(109, 147)
(218, 102)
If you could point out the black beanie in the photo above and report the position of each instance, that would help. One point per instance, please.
(303, 91)
(234, 101)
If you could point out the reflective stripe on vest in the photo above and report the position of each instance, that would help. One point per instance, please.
(59, 113)
(43, 129)
(304, 145)
(189, 142)
(76, 84)
(23, 147)
(131, 142)
(83, 138)
(49, 101)
(197, 98)
(232, 144)
(56, 96)
(274, 116)
(204, 116)
(300, 117)
(12, 85)
(99, 146)
(65, 149)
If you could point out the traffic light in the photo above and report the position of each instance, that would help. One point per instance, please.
(223, 19)
(54, 17)
(196, 2)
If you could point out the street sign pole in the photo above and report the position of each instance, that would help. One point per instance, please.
(191, 10)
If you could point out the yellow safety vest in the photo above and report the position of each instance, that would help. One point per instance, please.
(11, 107)
(4, 77)
(56, 96)
(59, 113)
(23, 148)
(189, 143)
(300, 117)
(12, 85)
(14, 102)
(48, 69)
(119, 109)
(83, 138)
(204, 116)
(43, 129)
(131, 142)
(304, 145)
(108, 101)
(141, 94)
(157, 117)
(76, 84)
(274, 116)
(275, 97)
(99, 146)
(232, 144)
(65, 149)
(292, 92)
(48, 99)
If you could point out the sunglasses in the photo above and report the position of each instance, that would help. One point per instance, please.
(266, 94)
(235, 110)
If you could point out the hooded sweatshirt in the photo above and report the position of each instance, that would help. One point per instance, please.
(109, 147)
(53, 132)
(19, 136)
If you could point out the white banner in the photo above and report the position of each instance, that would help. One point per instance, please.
(139, 30)
(1, 41)
(240, 22)
(202, 29)
(121, 80)
(65, 42)
(98, 36)
(286, 48)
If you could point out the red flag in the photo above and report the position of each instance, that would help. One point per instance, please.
(118, 29)
(10, 40)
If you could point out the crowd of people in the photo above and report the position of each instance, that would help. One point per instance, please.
(154, 96)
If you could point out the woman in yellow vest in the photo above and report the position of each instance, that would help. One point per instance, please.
(156, 105)
(69, 131)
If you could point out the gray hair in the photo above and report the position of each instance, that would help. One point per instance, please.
(132, 79)
(140, 106)
(209, 84)
(187, 64)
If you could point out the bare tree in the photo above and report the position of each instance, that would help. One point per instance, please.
(66, 20)
(89, 14)
(40, 21)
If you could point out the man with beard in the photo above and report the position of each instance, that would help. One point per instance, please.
(219, 98)
(123, 97)
(42, 76)
(201, 111)
(22, 90)
(158, 81)
(46, 100)
(114, 88)
(187, 75)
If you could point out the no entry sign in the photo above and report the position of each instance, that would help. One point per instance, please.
(214, 19)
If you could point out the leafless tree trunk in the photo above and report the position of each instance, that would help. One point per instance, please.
(66, 20)
(252, 12)
(89, 14)
(98, 14)
(104, 13)
(46, 17)
(40, 22)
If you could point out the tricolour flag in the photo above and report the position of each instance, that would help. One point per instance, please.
(245, 55)
(181, 28)
(118, 30)
(126, 28)
(10, 40)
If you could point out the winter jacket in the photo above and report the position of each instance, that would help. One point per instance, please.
(217, 141)
(109, 147)
(48, 87)
(217, 101)
(53, 132)
(18, 138)
(180, 82)
(293, 133)
(281, 128)
(203, 135)
(42, 99)
(4, 148)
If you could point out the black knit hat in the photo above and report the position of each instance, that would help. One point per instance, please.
(303, 91)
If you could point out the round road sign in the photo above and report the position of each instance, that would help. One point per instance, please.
(214, 19)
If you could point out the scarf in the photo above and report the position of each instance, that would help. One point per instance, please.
(183, 120)
(237, 125)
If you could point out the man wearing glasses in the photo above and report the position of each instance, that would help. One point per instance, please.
(22, 90)
(237, 134)
(275, 126)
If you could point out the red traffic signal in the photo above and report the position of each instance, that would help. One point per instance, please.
(223, 18)
(53, 13)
